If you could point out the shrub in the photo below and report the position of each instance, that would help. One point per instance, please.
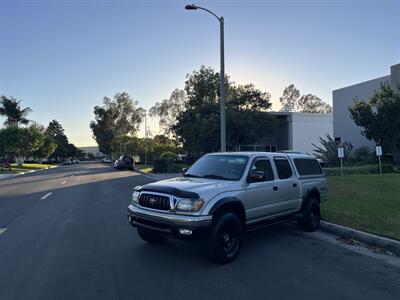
(361, 170)
(363, 154)
(328, 151)
(160, 166)
(169, 156)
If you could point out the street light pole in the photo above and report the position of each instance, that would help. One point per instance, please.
(222, 73)
(222, 87)
(145, 138)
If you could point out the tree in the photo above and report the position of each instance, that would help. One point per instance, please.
(21, 142)
(56, 132)
(46, 149)
(118, 117)
(15, 115)
(292, 101)
(168, 109)
(197, 126)
(379, 117)
(328, 151)
(289, 98)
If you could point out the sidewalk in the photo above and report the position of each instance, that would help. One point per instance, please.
(12, 175)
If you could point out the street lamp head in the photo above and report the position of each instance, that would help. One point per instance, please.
(190, 7)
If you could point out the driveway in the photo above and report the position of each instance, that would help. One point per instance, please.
(64, 235)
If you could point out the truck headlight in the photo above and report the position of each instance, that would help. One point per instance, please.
(135, 198)
(189, 205)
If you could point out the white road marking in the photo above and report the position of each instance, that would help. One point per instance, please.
(2, 230)
(64, 182)
(45, 196)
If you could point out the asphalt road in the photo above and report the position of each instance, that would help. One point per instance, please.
(76, 243)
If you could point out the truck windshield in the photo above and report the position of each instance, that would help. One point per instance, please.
(222, 167)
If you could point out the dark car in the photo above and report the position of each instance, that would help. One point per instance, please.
(124, 162)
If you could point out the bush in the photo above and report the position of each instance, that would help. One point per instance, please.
(363, 154)
(160, 166)
(169, 156)
(361, 170)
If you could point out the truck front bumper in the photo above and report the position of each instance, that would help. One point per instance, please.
(179, 226)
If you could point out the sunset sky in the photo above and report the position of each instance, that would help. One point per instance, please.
(62, 57)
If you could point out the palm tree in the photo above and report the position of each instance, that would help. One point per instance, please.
(10, 108)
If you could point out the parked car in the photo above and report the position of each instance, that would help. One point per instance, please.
(67, 162)
(224, 194)
(124, 162)
(106, 160)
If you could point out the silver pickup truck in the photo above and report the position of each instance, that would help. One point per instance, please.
(224, 194)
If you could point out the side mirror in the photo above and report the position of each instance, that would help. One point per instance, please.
(255, 176)
(184, 171)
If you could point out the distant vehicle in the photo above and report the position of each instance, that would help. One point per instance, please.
(124, 162)
(67, 162)
(75, 161)
(106, 160)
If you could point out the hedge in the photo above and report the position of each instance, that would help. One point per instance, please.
(361, 170)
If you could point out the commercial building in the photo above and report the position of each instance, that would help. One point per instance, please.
(344, 127)
(297, 131)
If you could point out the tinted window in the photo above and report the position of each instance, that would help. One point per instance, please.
(283, 168)
(307, 166)
(265, 166)
(225, 167)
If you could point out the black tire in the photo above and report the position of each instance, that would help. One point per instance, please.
(150, 237)
(224, 240)
(310, 216)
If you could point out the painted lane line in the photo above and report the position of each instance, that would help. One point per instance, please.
(45, 196)
(64, 182)
(2, 230)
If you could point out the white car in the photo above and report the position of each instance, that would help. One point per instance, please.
(106, 160)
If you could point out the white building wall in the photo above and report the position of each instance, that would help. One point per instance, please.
(307, 128)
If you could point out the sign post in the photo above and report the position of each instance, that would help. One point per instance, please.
(378, 150)
(341, 155)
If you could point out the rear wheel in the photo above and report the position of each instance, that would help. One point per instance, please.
(310, 216)
(225, 238)
(150, 237)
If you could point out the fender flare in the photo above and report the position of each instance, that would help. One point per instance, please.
(227, 202)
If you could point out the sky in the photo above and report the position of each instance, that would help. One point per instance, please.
(62, 57)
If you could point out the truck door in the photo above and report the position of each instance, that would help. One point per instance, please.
(258, 197)
(288, 188)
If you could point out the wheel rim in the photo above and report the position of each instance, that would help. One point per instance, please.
(229, 240)
(314, 215)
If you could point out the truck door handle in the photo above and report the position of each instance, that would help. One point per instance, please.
(294, 184)
(275, 188)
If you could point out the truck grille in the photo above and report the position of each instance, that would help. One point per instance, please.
(154, 201)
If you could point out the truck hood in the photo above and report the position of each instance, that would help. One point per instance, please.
(204, 187)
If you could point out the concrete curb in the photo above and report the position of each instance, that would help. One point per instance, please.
(365, 237)
(8, 176)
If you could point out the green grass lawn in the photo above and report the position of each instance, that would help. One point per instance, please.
(144, 169)
(366, 202)
(24, 168)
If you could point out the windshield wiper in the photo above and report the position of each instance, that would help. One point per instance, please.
(213, 176)
(191, 175)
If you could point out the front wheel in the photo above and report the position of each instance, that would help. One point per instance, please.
(225, 238)
(310, 216)
(150, 237)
